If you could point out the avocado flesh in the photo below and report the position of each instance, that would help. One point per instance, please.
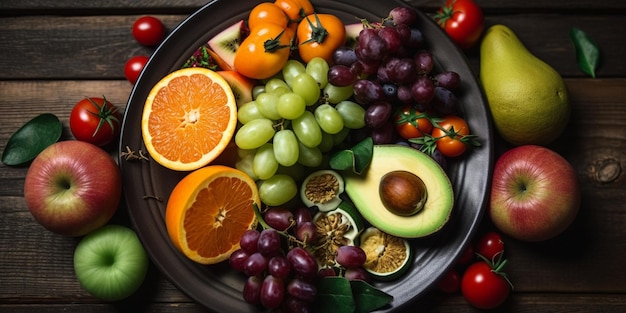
(363, 191)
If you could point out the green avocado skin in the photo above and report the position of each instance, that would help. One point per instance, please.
(363, 190)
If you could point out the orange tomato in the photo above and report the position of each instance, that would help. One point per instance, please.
(319, 35)
(267, 12)
(264, 52)
(295, 9)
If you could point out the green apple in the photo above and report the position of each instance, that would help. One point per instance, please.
(110, 263)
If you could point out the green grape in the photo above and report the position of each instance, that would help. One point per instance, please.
(266, 102)
(292, 69)
(248, 111)
(285, 147)
(277, 190)
(297, 171)
(274, 83)
(244, 164)
(353, 114)
(264, 163)
(307, 130)
(337, 94)
(256, 90)
(310, 157)
(341, 136)
(290, 106)
(328, 118)
(306, 86)
(317, 67)
(327, 143)
(281, 91)
(254, 134)
(242, 153)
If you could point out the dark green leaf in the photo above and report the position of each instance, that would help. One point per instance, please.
(334, 294)
(368, 298)
(32, 138)
(587, 52)
(356, 159)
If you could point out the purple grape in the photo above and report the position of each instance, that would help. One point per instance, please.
(365, 67)
(341, 76)
(445, 101)
(384, 134)
(375, 48)
(252, 290)
(255, 264)
(403, 15)
(278, 218)
(392, 38)
(404, 94)
(367, 91)
(326, 272)
(249, 241)
(404, 31)
(377, 114)
(365, 35)
(344, 56)
(357, 273)
(423, 90)
(404, 71)
(448, 79)
(301, 289)
(279, 266)
(424, 61)
(269, 242)
(302, 262)
(272, 292)
(306, 232)
(302, 214)
(350, 256)
(293, 305)
(416, 39)
(237, 260)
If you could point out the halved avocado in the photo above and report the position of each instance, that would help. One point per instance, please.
(363, 190)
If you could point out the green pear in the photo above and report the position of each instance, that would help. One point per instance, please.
(528, 99)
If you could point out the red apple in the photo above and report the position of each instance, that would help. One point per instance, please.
(73, 187)
(535, 194)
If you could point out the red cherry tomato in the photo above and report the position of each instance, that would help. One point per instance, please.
(450, 282)
(134, 66)
(490, 245)
(148, 31)
(467, 256)
(484, 287)
(463, 20)
(95, 120)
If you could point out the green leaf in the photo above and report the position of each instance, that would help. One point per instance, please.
(32, 138)
(356, 159)
(334, 294)
(368, 298)
(587, 52)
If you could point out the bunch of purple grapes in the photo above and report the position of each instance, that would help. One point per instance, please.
(390, 65)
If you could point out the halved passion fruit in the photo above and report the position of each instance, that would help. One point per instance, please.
(322, 189)
(387, 257)
(336, 228)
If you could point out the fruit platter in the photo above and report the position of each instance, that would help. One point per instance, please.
(459, 185)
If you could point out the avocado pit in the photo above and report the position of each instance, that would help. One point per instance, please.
(402, 192)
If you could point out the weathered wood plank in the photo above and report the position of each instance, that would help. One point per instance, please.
(84, 47)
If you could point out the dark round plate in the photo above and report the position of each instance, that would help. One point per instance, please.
(147, 185)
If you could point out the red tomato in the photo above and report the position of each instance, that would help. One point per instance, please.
(452, 136)
(463, 20)
(133, 67)
(490, 245)
(485, 287)
(467, 256)
(450, 282)
(148, 31)
(95, 120)
(411, 123)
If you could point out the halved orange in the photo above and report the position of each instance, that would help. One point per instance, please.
(209, 210)
(189, 118)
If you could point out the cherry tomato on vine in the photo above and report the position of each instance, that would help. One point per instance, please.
(484, 286)
(148, 31)
(452, 136)
(490, 245)
(411, 123)
(264, 52)
(463, 20)
(295, 9)
(267, 12)
(133, 67)
(95, 120)
(319, 35)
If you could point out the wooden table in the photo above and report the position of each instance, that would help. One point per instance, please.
(53, 53)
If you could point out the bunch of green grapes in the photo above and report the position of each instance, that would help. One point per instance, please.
(292, 122)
